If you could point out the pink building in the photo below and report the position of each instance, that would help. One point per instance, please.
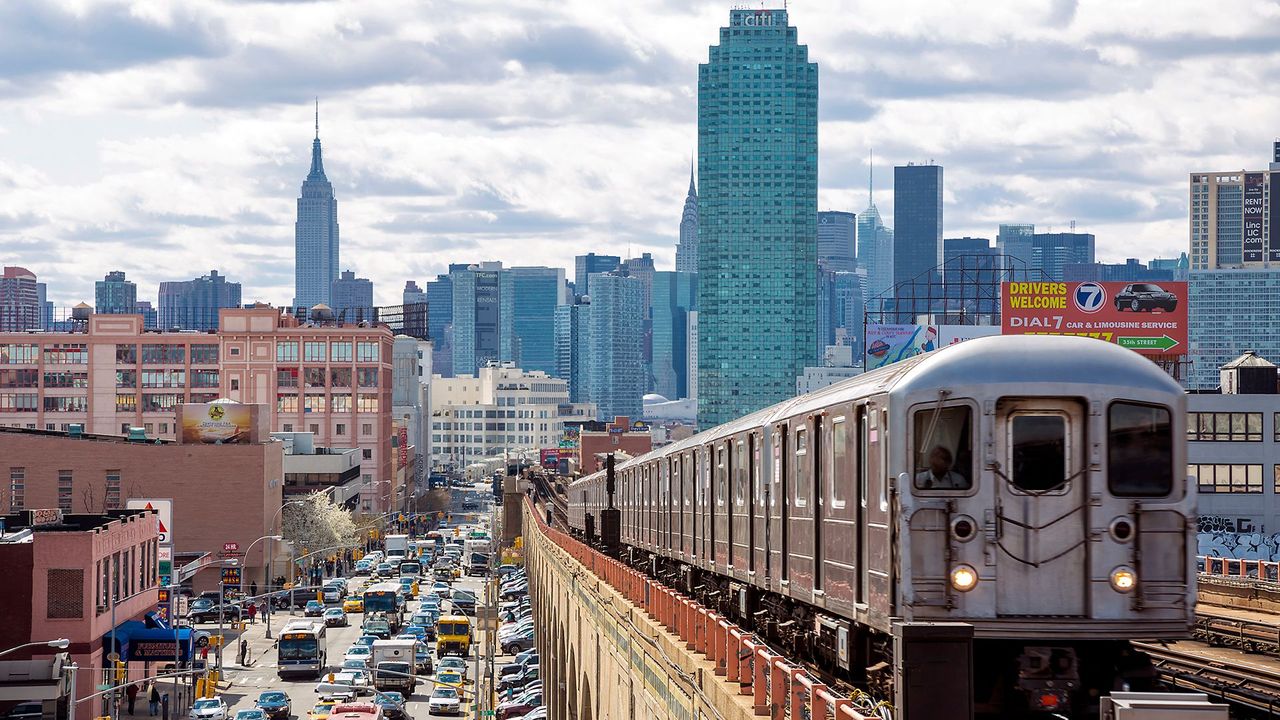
(109, 374)
(19, 299)
(63, 574)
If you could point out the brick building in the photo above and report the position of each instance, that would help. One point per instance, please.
(220, 493)
(616, 436)
(327, 377)
(63, 573)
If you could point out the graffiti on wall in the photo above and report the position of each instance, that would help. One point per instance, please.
(1218, 524)
(1237, 538)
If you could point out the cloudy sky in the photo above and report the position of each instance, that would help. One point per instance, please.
(168, 138)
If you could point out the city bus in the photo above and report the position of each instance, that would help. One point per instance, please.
(302, 649)
(386, 597)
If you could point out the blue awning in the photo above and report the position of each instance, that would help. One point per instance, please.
(136, 641)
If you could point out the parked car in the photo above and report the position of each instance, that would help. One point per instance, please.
(209, 709)
(275, 704)
(519, 706)
(29, 710)
(515, 643)
(512, 682)
(1145, 297)
(230, 613)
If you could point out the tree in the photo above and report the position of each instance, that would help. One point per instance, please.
(316, 523)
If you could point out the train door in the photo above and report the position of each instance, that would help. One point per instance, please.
(686, 495)
(1041, 507)
(755, 508)
(740, 520)
(818, 466)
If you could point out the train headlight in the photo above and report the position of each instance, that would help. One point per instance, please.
(1121, 529)
(1124, 579)
(963, 578)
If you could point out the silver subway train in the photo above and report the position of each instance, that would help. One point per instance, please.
(1030, 486)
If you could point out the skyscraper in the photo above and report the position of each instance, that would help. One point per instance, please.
(20, 306)
(616, 360)
(352, 297)
(836, 236)
(412, 294)
(483, 315)
(538, 291)
(675, 294)
(114, 295)
(917, 221)
(440, 323)
(875, 255)
(315, 235)
(572, 335)
(1235, 217)
(758, 207)
(1015, 241)
(1051, 252)
(194, 304)
(587, 265)
(687, 249)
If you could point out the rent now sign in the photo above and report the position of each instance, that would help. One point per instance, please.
(1147, 317)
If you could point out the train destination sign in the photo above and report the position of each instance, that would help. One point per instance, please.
(1146, 317)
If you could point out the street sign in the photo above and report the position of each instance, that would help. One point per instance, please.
(230, 547)
(164, 515)
(113, 657)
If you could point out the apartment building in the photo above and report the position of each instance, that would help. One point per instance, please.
(328, 378)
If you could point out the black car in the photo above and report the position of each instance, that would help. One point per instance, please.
(29, 710)
(230, 613)
(392, 704)
(1145, 297)
(275, 704)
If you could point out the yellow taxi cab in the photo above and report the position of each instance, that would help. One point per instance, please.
(321, 710)
(353, 604)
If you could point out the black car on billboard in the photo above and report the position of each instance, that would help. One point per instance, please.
(1145, 297)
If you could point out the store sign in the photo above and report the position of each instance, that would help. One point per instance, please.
(403, 435)
(231, 576)
(1150, 318)
(164, 516)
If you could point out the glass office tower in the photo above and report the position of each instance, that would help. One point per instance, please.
(757, 224)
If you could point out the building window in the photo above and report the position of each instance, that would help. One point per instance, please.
(113, 490)
(286, 403)
(64, 598)
(315, 429)
(164, 354)
(66, 404)
(287, 351)
(164, 378)
(126, 354)
(367, 352)
(1223, 478)
(66, 354)
(367, 403)
(19, 378)
(366, 453)
(1224, 426)
(203, 397)
(124, 428)
(366, 429)
(341, 429)
(19, 354)
(367, 377)
(160, 402)
(19, 402)
(204, 378)
(126, 403)
(287, 377)
(64, 489)
(313, 376)
(17, 488)
(340, 402)
(164, 428)
(66, 380)
(204, 354)
(340, 377)
(126, 378)
(340, 351)
(288, 427)
(235, 383)
(314, 403)
(313, 351)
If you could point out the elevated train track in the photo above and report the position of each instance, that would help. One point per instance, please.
(1187, 666)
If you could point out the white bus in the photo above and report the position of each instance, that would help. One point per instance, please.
(302, 649)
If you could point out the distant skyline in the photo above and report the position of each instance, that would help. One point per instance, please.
(161, 138)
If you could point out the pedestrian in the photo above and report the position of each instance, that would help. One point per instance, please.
(253, 589)
(253, 613)
(131, 693)
(153, 698)
(244, 652)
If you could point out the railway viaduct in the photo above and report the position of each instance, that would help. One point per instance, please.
(604, 658)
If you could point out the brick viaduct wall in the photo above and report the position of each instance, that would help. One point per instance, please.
(603, 658)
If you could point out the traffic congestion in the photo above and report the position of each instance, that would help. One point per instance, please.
(426, 625)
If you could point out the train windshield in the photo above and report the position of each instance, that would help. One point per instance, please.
(1140, 450)
(1039, 450)
(944, 449)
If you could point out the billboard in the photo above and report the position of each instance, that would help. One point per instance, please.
(1150, 318)
(164, 518)
(1273, 237)
(1253, 211)
(887, 344)
(223, 423)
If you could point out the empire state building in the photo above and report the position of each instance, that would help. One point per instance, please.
(315, 235)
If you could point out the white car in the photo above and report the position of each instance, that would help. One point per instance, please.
(347, 683)
(209, 709)
(453, 663)
(358, 652)
(444, 701)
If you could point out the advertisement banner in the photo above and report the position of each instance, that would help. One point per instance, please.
(402, 435)
(223, 423)
(1150, 318)
(164, 520)
(887, 344)
(549, 457)
(1273, 237)
(1253, 211)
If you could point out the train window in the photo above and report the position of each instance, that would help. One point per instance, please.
(740, 475)
(722, 474)
(944, 448)
(1038, 450)
(777, 466)
(802, 460)
(1140, 450)
(841, 472)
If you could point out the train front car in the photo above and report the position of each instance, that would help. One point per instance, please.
(1042, 498)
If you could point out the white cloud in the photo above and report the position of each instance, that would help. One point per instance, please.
(168, 139)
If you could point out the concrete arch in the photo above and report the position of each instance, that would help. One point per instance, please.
(587, 711)
(571, 694)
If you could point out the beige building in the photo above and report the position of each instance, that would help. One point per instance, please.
(501, 408)
(1235, 218)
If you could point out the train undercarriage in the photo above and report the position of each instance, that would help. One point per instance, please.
(1012, 678)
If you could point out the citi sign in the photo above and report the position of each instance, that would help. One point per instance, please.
(761, 18)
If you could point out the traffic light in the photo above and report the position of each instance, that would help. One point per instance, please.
(122, 671)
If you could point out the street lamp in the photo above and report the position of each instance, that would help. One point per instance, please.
(60, 644)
